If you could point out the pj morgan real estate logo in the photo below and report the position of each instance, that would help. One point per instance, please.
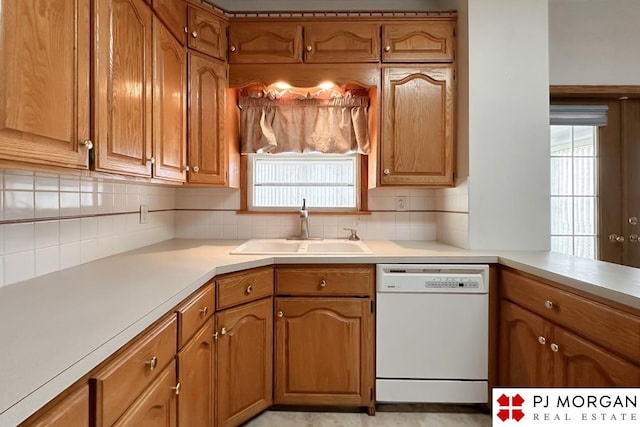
(567, 407)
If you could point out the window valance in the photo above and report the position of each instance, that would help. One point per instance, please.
(305, 124)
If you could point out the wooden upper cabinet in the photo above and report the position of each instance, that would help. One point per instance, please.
(207, 33)
(417, 142)
(324, 351)
(174, 14)
(265, 42)
(337, 42)
(169, 105)
(123, 87)
(208, 162)
(432, 41)
(44, 83)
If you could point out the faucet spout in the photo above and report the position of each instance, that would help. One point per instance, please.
(304, 220)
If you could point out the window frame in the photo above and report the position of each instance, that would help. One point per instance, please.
(362, 165)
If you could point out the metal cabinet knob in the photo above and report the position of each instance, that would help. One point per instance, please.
(187, 169)
(323, 283)
(634, 238)
(542, 340)
(548, 304)
(196, 169)
(633, 220)
(152, 363)
(249, 289)
(280, 314)
(387, 48)
(223, 331)
(152, 160)
(386, 171)
(88, 143)
(614, 238)
(194, 34)
(204, 311)
(309, 48)
(215, 335)
(177, 388)
(554, 347)
(232, 48)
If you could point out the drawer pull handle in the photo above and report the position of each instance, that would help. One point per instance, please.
(232, 48)
(542, 340)
(194, 34)
(323, 283)
(249, 289)
(548, 303)
(554, 347)
(152, 363)
(204, 311)
(224, 331)
(387, 48)
(177, 388)
(280, 314)
(309, 48)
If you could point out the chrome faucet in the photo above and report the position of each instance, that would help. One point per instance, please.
(304, 221)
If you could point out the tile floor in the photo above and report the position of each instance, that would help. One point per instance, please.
(400, 416)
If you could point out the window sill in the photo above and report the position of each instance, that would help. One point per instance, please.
(297, 212)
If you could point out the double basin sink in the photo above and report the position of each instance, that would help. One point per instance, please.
(302, 247)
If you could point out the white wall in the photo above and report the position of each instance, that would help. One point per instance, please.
(508, 124)
(594, 42)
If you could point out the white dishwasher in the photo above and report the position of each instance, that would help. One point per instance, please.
(432, 333)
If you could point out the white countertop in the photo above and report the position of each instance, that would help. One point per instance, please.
(56, 328)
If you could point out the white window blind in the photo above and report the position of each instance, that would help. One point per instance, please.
(578, 115)
(281, 181)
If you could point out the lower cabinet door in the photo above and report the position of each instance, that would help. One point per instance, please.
(196, 367)
(157, 406)
(324, 351)
(524, 356)
(72, 410)
(580, 363)
(244, 362)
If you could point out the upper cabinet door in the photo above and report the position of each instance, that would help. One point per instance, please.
(336, 42)
(123, 84)
(174, 14)
(255, 43)
(169, 105)
(419, 42)
(418, 126)
(207, 110)
(207, 33)
(44, 82)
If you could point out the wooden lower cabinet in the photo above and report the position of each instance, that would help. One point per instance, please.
(537, 353)
(244, 361)
(324, 351)
(72, 410)
(157, 406)
(196, 364)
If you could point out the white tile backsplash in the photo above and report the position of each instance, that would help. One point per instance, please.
(32, 247)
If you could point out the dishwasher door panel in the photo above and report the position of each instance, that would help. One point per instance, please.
(432, 336)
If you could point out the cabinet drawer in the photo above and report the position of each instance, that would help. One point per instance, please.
(418, 42)
(327, 280)
(119, 383)
(239, 288)
(611, 328)
(195, 312)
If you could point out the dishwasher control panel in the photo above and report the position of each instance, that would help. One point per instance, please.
(444, 278)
